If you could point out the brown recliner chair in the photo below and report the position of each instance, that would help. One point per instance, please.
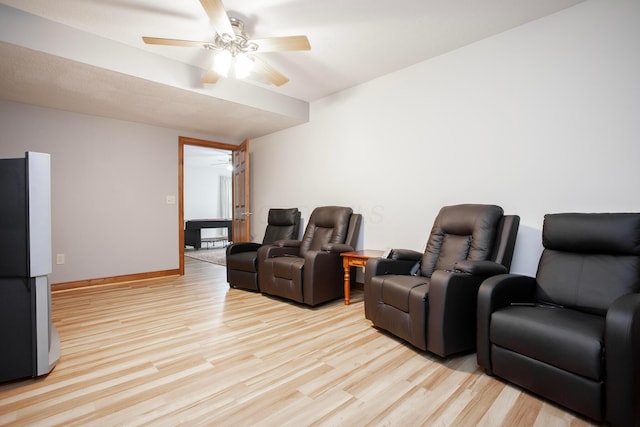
(572, 333)
(310, 270)
(242, 257)
(429, 299)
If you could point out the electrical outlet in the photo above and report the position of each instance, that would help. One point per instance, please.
(59, 259)
(171, 200)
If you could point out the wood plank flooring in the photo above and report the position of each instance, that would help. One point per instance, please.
(189, 350)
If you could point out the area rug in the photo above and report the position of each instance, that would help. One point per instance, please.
(214, 256)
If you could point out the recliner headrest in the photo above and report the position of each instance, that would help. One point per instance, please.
(283, 216)
(477, 221)
(327, 224)
(597, 233)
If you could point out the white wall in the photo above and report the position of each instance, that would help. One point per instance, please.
(201, 192)
(110, 180)
(202, 197)
(543, 118)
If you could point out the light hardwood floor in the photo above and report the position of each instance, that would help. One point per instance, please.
(189, 350)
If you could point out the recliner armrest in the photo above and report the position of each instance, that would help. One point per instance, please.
(400, 262)
(240, 247)
(622, 344)
(495, 292)
(503, 289)
(406, 255)
(382, 266)
(290, 243)
(273, 251)
(336, 248)
(480, 268)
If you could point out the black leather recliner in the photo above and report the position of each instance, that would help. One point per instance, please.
(310, 270)
(572, 333)
(433, 307)
(241, 257)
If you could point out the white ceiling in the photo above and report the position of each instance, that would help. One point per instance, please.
(88, 56)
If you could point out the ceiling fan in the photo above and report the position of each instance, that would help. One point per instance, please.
(223, 162)
(236, 58)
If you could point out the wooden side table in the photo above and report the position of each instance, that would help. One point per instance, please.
(355, 259)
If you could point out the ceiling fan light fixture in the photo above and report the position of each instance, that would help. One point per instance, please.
(222, 63)
(243, 66)
(227, 65)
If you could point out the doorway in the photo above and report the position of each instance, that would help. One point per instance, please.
(207, 195)
(217, 155)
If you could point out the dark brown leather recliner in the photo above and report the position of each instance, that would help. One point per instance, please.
(310, 270)
(242, 257)
(429, 299)
(572, 333)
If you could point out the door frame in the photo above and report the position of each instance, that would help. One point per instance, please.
(182, 141)
(241, 204)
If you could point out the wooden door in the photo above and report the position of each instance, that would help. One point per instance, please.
(241, 194)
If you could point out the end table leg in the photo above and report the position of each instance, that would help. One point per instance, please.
(347, 281)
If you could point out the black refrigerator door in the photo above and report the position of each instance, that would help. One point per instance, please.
(16, 332)
(14, 240)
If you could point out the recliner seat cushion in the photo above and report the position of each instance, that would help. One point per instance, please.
(567, 339)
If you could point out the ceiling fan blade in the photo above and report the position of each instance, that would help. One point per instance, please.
(174, 42)
(218, 17)
(210, 77)
(268, 72)
(277, 44)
